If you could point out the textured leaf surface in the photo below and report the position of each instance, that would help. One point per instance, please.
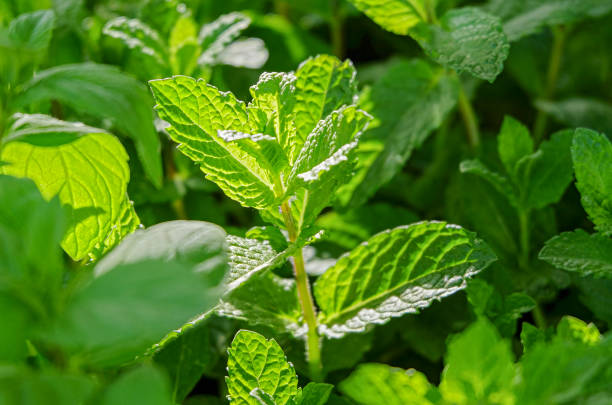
(122, 312)
(127, 222)
(217, 35)
(374, 384)
(323, 84)
(396, 272)
(397, 16)
(479, 368)
(135, 34)
(197, 112)
(255, 362)
(592, 156)
(513, 143)
(580, 252)
(469, 40)
(545, 175)
(88, 173)
(32, 31)
(408, 102)
(104, 92)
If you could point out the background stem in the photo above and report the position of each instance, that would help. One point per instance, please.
(336, 27)
(469, 119)
(554, 65)
(313, 349)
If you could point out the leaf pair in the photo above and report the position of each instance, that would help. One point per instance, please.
(532, 180)
(295, 139)
(577, 251)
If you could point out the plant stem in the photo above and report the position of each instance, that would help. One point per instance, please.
(469, 119)
(538, 316)
(306, 302)
(336, 27)
(524, 236)
(282, 8)
(554, 65)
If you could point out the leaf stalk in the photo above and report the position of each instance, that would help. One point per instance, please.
(469, 119)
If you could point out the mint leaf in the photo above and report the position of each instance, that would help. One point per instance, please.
(397, 16)
(32, 31)
(249, 53)
(479, 367)
(592, 156)
(499, 182)
(120, 313)
(217, 35)
(468, 39)
(408, 102)
(545, 175)
(373, 384)
(314, 394)
(396, 272)
(126, 223)
(257, 363)
(571, 328)
(513, 143)
(137, 35)
(144, 383)
(323, 84)
(197, 112)
(21, 386)
(580, 112)
(104, 92)
(89, 173)
(577, 251)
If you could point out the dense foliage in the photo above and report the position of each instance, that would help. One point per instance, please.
(305, 202)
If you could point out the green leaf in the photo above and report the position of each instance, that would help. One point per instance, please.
(197, 113)
(527, 17)
(323, 84)
(249, 53)
(257, 363)
(44, 387)
(195, 244)
(571, 328)
(137, 35)
(217, 35)
(544, 175)
(468, 39)
(122, 312)
(103, 92)
(32, 31)
(530, 336)
(374, 384)
(398, 271)
(513, 143)
(314, 394)
(498, 181)
(408, 102)
(479, 368)
(16, 321)
(397, 16)
(267, 300)
(127, 222)
(580, 112)
(144, 384)
(592, 156)
(273, 235)
(577, 251)
(89, 173)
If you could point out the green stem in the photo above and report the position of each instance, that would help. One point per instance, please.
(469, 119)
(524, 238)
(554, 65)
(305, 298)
(337, 29)
(538, 316)
(282, 8)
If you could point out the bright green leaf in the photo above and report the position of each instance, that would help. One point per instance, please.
(397, 16)
(572, 328)
(513, 143)
(398, 271)
(32, 31)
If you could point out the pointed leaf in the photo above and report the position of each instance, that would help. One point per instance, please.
(513, 143)
(255, 362)
(498, 181)
(217, 35)
(588, 255)
(137, 35)
(396, 272)
(397, 16)
(592, 156)
(196, 112)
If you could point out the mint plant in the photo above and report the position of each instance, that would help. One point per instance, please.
(284, 154)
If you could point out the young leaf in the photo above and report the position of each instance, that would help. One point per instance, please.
(397, 16)
(32, 31)
(146, 384)
(408, 102)
(513, 143)
(587, 255)
(544, 175)
(479, 368)
(468, 39)
(75, 168)
(104, 92)
(374, 384)
(570, 328)
(137, 35)
(592, 156)
(122, 312)
(498, 181)
(257, 363)
(198, 113)
(396, 272)
(314, 394)
(323, 84)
